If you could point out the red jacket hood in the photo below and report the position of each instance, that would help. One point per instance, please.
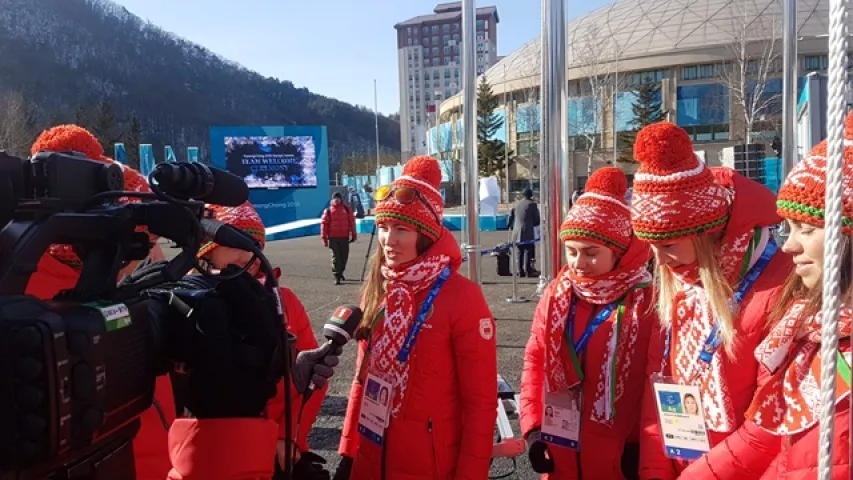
(754, 205)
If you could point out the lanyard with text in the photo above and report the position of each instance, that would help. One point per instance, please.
(575, 349)
(714, 340)
(422, 316)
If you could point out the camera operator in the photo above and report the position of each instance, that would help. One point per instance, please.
(60, 268)
(245, 217)
(229, 436)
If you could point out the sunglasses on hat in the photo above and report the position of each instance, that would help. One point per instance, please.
(403, 196)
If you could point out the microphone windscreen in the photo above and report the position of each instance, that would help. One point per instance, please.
(343, 324)
(229, 189)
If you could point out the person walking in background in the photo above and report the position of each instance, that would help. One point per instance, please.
(523, 220)
(337, 229)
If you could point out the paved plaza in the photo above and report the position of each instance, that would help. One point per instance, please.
(307, 271)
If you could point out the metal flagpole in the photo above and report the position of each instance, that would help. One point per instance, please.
(506, 139)
(376, 120)
(789, 86)
(469, 144)
(552, 125)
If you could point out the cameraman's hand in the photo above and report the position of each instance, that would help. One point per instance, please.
(315, 366)
(236, 339)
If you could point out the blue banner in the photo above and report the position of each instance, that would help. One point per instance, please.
(120, 154)
(170, 155)
(146, 159)
(192, 154)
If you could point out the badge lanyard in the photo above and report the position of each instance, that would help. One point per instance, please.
(576, 349)
(412, 336)
(416, 327)
(712, 343)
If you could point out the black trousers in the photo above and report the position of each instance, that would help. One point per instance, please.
(526, 255)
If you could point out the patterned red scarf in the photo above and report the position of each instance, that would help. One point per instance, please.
(600, 290)
(789, 402)
(692, 323)
(402, 285)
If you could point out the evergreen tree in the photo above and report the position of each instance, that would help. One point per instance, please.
(104, 127)
(132, 137)
(646, 110)
(490, 152)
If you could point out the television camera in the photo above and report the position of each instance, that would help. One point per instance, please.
(76, 372)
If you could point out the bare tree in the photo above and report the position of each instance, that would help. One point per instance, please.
(528, 114)
(17, 129)
(593, 54)
(755, 51)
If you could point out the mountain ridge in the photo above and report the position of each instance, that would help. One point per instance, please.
(64, 54)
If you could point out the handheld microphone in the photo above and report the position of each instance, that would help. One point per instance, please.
(339, 329)
(200, 182)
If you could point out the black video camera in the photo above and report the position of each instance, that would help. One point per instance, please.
(76, 372)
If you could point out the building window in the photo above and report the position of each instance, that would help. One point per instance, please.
(447, 60)
(434, 51)
(445, 27)
(435, 40)
(481, 24)
(425, 30)
(697, 72)
(411, 41)
(455, 27)
(426, 41)
(456, 37)
(813, 63)
(653, 76)
(434, 29)
(445, 39)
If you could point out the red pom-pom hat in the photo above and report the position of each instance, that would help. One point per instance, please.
(803, 194)
(422, 174)
(72, 138)
(675, 195)
(601, 215)
(244, 217)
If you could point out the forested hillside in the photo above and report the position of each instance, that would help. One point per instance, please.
(93, 62)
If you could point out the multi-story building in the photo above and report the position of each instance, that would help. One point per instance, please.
(708, 59)
(429, 50)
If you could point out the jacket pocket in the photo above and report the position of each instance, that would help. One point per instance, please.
(445, 437)
(410, 450)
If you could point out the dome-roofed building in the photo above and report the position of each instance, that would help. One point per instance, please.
(694, 50)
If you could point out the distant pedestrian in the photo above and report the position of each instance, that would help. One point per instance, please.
(523, 220)
(337, 229)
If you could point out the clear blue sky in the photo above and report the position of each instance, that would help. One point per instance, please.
(332, 47)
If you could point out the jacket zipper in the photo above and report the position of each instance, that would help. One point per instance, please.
(432, 445)
(384, 454)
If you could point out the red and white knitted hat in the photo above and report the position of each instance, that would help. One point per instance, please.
(675, 195)
(601, 215)
(803, 194)
(422, 174)
(72, 138)
(244, 217)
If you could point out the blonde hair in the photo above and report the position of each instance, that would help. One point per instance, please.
(717, 289)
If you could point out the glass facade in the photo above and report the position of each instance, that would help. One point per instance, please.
(702, 104)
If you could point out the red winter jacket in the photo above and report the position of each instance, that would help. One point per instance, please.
(337, 222)
(746, 451)
(150, 445)
(222, 449)
(601, 445)
(299, 325)
(798, 457)
(446, 424)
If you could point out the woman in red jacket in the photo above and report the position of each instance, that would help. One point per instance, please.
(59, 269)
(788, 405)
(215, 256)
(718, 275)
(601, 300)
(428, 338)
